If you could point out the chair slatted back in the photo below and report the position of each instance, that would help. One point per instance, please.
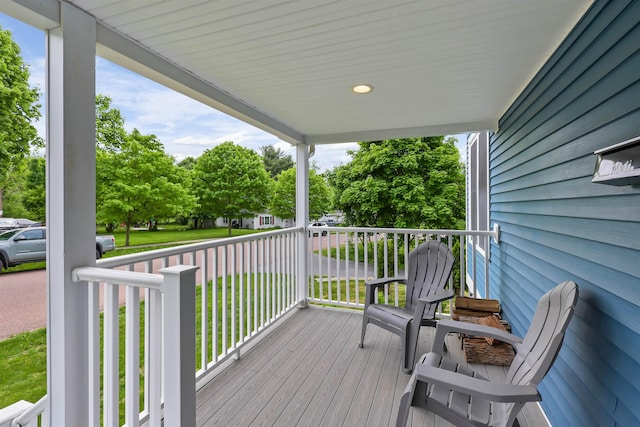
(429, 267)
(544, 338)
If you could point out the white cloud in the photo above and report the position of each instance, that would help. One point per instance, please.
(36, 70)
(194, 141)
(462, 146)
(286, 148)
(330, 155)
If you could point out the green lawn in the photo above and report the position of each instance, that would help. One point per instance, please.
(23, 367)
(354, 288)
(173, 234)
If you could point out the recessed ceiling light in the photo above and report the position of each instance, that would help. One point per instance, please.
(362, 88)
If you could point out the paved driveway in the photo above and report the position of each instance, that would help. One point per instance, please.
(23, 298)
(23, 302)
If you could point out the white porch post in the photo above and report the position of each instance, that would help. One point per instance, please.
(302, 217)
(179, 343)
(71, 183)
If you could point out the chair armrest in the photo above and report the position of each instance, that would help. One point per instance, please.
(372, 285)
(383, 281)
(424, 302)
(438, 297)
(496, 392)
(445, 327)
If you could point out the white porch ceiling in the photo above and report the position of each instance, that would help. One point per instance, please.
(287, 66)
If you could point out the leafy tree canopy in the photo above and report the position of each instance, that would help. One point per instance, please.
(18, 107)
(110, 132)
(188, 163)
(14, 188)
(34, 199)
(142, 183)
(230, 182)
(414, 182)
(275, 161)
(283, 202)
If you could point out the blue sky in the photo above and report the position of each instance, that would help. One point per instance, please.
(185, 126)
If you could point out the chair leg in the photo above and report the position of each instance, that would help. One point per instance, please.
(405, 402)
(410, 346)
(364, 331)
(415, 394)
(407, 355)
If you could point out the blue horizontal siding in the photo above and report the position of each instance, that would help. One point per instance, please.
(621, 208)
(556, 76)
(594, 259)
(557, 190)
(479, 277)
(620, 233)
(557, 225)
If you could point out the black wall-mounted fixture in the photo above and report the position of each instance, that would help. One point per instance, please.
(618, 164)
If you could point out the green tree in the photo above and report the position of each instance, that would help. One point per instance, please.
(110, 132)
(14, 188)
(283, 202)
(275, 161)
(231, 182)
(34, 199)
(188, 163)
(144, 184)
(18, 108)
(414, 182)
(110, 136)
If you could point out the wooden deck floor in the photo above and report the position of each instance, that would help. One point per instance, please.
(310, 372)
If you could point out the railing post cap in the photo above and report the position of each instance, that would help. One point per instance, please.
(178, 269)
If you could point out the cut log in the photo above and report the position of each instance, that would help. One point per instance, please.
(494, 323)
(457, 312)
(478, 304)
(478, 351)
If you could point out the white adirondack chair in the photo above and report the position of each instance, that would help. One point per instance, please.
(461, 396)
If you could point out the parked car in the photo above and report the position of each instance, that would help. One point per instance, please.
(7, 224)
(316, 231)
(24, 222)
(29, 244)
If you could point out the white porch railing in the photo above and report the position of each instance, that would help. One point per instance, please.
(345, 258)
(169, 344)
(245, 285)
(25, 414)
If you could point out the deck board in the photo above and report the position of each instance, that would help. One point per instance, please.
(321, 378)
(310, 372)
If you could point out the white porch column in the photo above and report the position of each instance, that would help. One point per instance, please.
(179, 308)
(71, 185)
(302, 218)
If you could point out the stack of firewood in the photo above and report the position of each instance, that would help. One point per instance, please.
(483, 349)
(475, 307)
